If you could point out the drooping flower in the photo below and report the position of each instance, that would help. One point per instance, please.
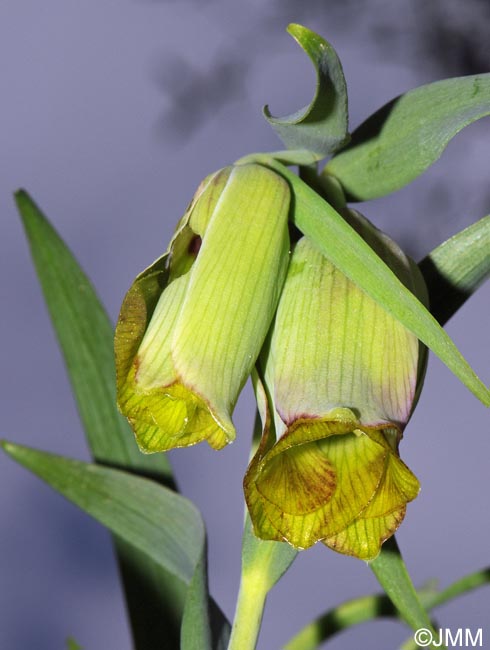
(192, 324)
(339, 378)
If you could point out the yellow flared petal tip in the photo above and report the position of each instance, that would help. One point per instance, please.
(171, 417)
(192, 325)
(364, 537)
(330, 483)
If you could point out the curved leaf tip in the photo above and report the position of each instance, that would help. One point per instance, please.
(322, 125)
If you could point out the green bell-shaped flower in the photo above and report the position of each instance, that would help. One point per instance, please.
(192, 325)
(339, 378)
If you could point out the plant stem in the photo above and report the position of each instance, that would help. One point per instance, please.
(367, 608)
(249, 611)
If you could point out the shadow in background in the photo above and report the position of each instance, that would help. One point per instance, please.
(197, 95)
(448, 36)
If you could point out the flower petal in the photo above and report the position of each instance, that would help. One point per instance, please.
(332, 346)
(192, 325)
(364, 537)
(379, 521)
(234, 287)
(311, 491)
(340, 376)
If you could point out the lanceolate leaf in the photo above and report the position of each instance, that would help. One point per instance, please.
(86, 339)
(154, 519)
(161, 524)
(398, 142)
(391, 572)
(322, 125)
(356, 259)
(155, 598)
(455, 269)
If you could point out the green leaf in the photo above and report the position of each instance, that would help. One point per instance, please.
(356, 259)
(463, 585)
(155, 599)
(367, 608)
(86, 339)
(407, 135)
(454, 270)
(150, 517)
(391, 572)
(159, 522)
(196, 627)
(458, 588)
(300, 157)
(322, 125)
(71, 644)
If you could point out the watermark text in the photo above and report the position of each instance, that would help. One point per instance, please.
(450, 638)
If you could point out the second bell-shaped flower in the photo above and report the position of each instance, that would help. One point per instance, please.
(338, 382)
(192, 325)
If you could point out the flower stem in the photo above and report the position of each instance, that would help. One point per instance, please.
(367, 608)
(263, 564)
(249, 611)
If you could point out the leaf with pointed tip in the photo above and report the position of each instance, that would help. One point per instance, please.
(403, 138)
(339, 242)
(391, 572)
(86, 338)
(159, 522)
(322, 125)
(456, 268)
(155, 598)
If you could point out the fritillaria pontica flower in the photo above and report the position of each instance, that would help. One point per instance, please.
(192, 325)
(338, 382)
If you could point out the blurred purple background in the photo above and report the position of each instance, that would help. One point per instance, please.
(111, 114)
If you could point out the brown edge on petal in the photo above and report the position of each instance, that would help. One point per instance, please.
(145, 430)
(290, 438)
(136, 310)
(261, 526)
(334, 542)
(141, 299)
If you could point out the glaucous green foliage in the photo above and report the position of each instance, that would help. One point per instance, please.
(270, 274)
